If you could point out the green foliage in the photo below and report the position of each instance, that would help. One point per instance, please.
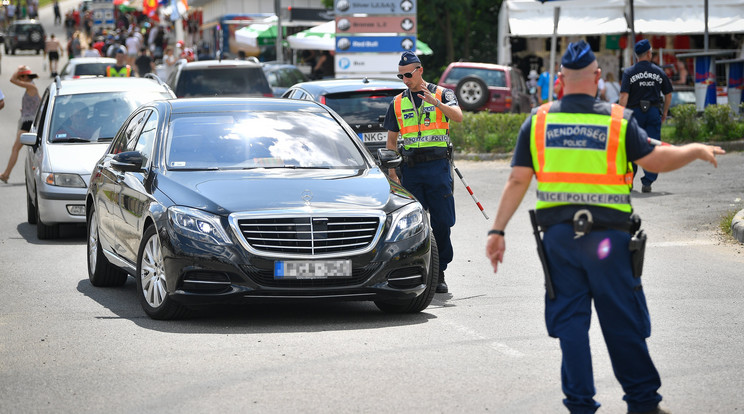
(687, 126)
(485, 132)
(719, 123)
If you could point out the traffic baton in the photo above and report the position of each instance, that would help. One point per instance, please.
(470, 191)
(658, 143)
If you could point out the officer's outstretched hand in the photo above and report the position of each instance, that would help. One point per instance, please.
(426, 95)
(495, 248)
(708, 153)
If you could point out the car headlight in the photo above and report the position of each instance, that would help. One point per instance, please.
(407, 222)
(65, 180)
(197, 225)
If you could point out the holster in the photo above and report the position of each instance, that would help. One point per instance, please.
(637, 248)
(412, 157)
(645, 105)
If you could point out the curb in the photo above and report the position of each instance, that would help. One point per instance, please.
(737, 226)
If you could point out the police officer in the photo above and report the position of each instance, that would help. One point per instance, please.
(641, 89)
(579, 150)
(421, 115)
(120, 69)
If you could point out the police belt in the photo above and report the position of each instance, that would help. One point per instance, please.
(418, 155)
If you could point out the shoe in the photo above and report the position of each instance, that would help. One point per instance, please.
(646, 188)
(4, 179)
(657, 410)
(442, 286)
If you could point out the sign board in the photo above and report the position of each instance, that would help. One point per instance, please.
(376, 24)
(344, 7)
(375, 43)
(103, 13)
(367, 63)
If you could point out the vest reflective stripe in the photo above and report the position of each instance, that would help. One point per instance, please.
(602, 176)
(123, 72)
(417, 134)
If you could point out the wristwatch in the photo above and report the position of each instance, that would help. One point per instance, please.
(437, 104)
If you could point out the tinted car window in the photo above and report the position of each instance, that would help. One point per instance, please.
(259, 140)
(362, 106)
(90, 69)
(495, 78)
(227, 81)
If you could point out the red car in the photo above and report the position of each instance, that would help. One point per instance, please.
(487, 87)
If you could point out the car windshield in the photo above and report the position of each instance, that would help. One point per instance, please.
(84, 69)
(238, 81)
(269, 139)
(495, 78)
(93, 117)
(361, 106)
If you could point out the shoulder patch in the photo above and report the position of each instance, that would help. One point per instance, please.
(449, 95)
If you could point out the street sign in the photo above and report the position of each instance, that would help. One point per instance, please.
(376, 24)
(344, 7)
(375, 43)
(367, 63)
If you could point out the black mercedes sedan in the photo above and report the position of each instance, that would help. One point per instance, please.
(228, 200)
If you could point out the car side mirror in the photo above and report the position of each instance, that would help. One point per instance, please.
(130, 161)
(29, 138)
(388, 158)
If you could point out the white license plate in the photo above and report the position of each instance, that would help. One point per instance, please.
(374, 136)
(311, 269)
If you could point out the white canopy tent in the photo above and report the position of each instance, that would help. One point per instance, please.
(532, 18)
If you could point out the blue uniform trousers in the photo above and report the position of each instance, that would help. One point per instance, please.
(597, 267)
(650, 121)
(431, 183)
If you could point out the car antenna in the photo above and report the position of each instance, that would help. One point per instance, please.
(58, 81)
(365, 80)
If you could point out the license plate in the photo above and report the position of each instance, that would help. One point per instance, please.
(374, 136)
(311, 269)
(22, 38)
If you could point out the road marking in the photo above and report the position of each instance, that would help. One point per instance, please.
(496, 346)
(680, 243)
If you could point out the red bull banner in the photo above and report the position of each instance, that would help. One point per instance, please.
(705, 81)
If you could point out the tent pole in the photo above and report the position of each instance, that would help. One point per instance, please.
(553, 41)
(705, 38)
(279, 31)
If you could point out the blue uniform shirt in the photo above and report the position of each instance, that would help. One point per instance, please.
(391, 121)
(645, 81)
(636, 146)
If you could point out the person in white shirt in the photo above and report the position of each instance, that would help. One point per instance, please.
(612, 89)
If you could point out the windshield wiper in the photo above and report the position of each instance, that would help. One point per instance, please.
(71, 139)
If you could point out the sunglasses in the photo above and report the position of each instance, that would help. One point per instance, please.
(408, 75)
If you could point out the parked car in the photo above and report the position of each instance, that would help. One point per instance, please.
(681, 95)
(220, 200)
(233, 78)
(487, 87)
(24, 35)
(75, 123)
(86, 67)
(362, 103)
(281, 76)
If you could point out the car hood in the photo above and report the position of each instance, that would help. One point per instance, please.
(75, 158)
(225, 192)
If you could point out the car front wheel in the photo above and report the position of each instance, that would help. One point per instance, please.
(151, 283)
(423, 300)
(30, 208)
(100, 271)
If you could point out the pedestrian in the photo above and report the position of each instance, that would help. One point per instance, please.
(532, 87)
(421, 115)
(24, 78)
(579, 149)
(52, 49)
(612, 89)
(57, 13)
(543, 86)
(144, 63)
(169, 60)
(640, 90)
(120, 68)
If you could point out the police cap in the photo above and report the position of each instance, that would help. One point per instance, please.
(578, 55)
(641, 47)
(407, 58)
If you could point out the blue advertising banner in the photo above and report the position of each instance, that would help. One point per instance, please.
(375, 43)
(705, 81)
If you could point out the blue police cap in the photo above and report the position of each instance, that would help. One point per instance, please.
(642, 47)
(578, 55)
(407, 58)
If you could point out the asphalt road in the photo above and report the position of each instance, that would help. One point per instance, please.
(66, 346)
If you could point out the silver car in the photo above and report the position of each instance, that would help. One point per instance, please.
(75, 123)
